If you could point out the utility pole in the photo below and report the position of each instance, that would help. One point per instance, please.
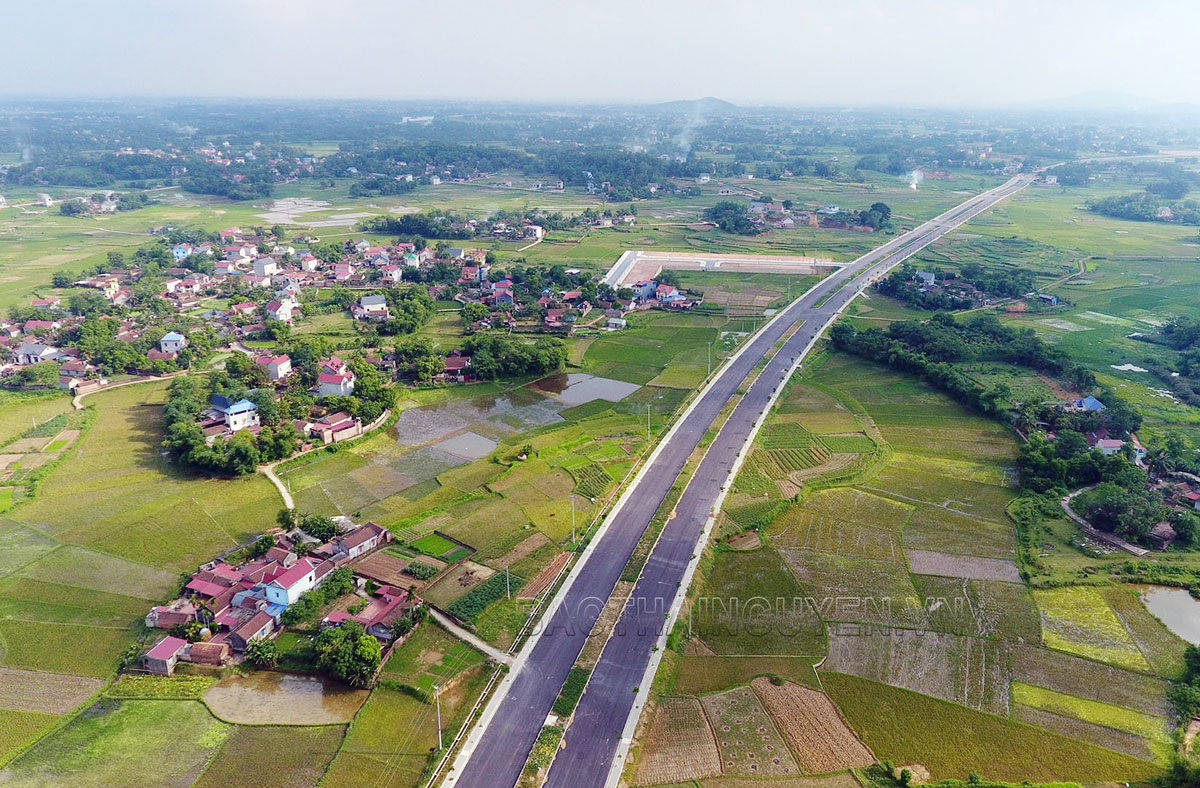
(647, 421)
(437, 699)
(507, 584)
(710, 358)
(572, 519)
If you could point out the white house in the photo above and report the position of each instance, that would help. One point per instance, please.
(35, 352)
(331, 384)
(172, 342)
(286, 587)
(371, 307)
(278, 367)
(237, 415)
(281, 310)
(265, 266)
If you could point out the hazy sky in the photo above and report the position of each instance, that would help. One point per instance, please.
(787, 52)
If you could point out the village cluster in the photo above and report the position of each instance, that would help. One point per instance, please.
(234, 600)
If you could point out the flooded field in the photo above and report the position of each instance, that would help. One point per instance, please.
(577, 388)
(1176, 608)
(468, 445)
(269, 698)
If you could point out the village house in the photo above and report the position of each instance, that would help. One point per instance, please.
(331, 428)
(161, 659)
(387, 606)
(278, 367)
(456, 368)
(265, 266)
(283, 311)
(172, 342)
(34, 353)
(335, 378)
(371, 307)
(235, 415)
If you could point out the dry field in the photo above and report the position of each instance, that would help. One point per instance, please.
(545, 577)
(749, 743)
(820, 738)
(385, 568)
(926, 562)
(679, 745)
(524, 549)
(31, 690)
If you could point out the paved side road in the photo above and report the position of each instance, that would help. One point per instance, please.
(495, 755)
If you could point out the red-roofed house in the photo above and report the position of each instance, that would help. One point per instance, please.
(335, 385)
(161, 659)
(278, 367)
(363, 540)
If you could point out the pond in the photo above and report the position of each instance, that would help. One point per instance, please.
(270, 698)
(577, 388)
(1176, 608)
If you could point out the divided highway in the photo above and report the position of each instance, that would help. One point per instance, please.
(496, 750)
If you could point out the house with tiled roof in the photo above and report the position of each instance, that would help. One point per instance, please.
(278, 367)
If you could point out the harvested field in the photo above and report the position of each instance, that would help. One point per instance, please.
(855, 506)
(1078, 620)
(703, 673)
(679, 744)
(1087, 679)
(925, 562)
(525, 548)
(938, 529)
(841, 780)
(812, 725)
(982, 608)
(748, 741)
(31, 690)
(545, 577)
(1099, 735)
(297, 757)
(385, 568)
(799, 529)
(848, 588)
(1155, 730)
(907, 727)
(970, 671)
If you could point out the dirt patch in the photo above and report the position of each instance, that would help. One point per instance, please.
(821, 739)
(524, 549)
(919, 773)
(385, 568)
(679, 746)
(604, 625)
(545, 577)
(925, 562)
(747, 541)
(1058, 390)
(32, 690)
(457, 582)
(1190, 734)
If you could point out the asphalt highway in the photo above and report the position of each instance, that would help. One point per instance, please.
(591, 742)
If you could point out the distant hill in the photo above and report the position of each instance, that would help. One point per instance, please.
(706, 106)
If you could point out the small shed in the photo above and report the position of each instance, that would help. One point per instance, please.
(161, 659)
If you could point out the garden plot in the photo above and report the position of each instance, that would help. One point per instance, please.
(971, 567)
(858, 590)
(938, 529)
(679, 744)
(1088, 679)
(30, 690)
(524, 549)
(812, 725)
(982, 608)
(1078, 620)
(970, 671)
(747, 739)
(457, 583)
(385, 568)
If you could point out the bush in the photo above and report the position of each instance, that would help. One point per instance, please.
(571, 692)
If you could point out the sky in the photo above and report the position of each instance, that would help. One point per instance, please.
(945, 53)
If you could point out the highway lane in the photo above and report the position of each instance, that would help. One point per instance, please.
(497, 752)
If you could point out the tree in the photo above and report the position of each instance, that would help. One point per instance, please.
(472, 313)
(349, 653)
(44, 373)
(61, 280)
(262, 652)
(732, 217)
(318, 527)
(287, 519)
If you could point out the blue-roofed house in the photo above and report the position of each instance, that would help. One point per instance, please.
(172, 342)
(1090, 403)
(237, 415)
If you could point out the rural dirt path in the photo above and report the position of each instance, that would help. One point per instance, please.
(268, 470)
(493, 653)
(77, 400)
(1095, 533)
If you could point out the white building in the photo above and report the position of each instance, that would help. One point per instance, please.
(172, 342)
